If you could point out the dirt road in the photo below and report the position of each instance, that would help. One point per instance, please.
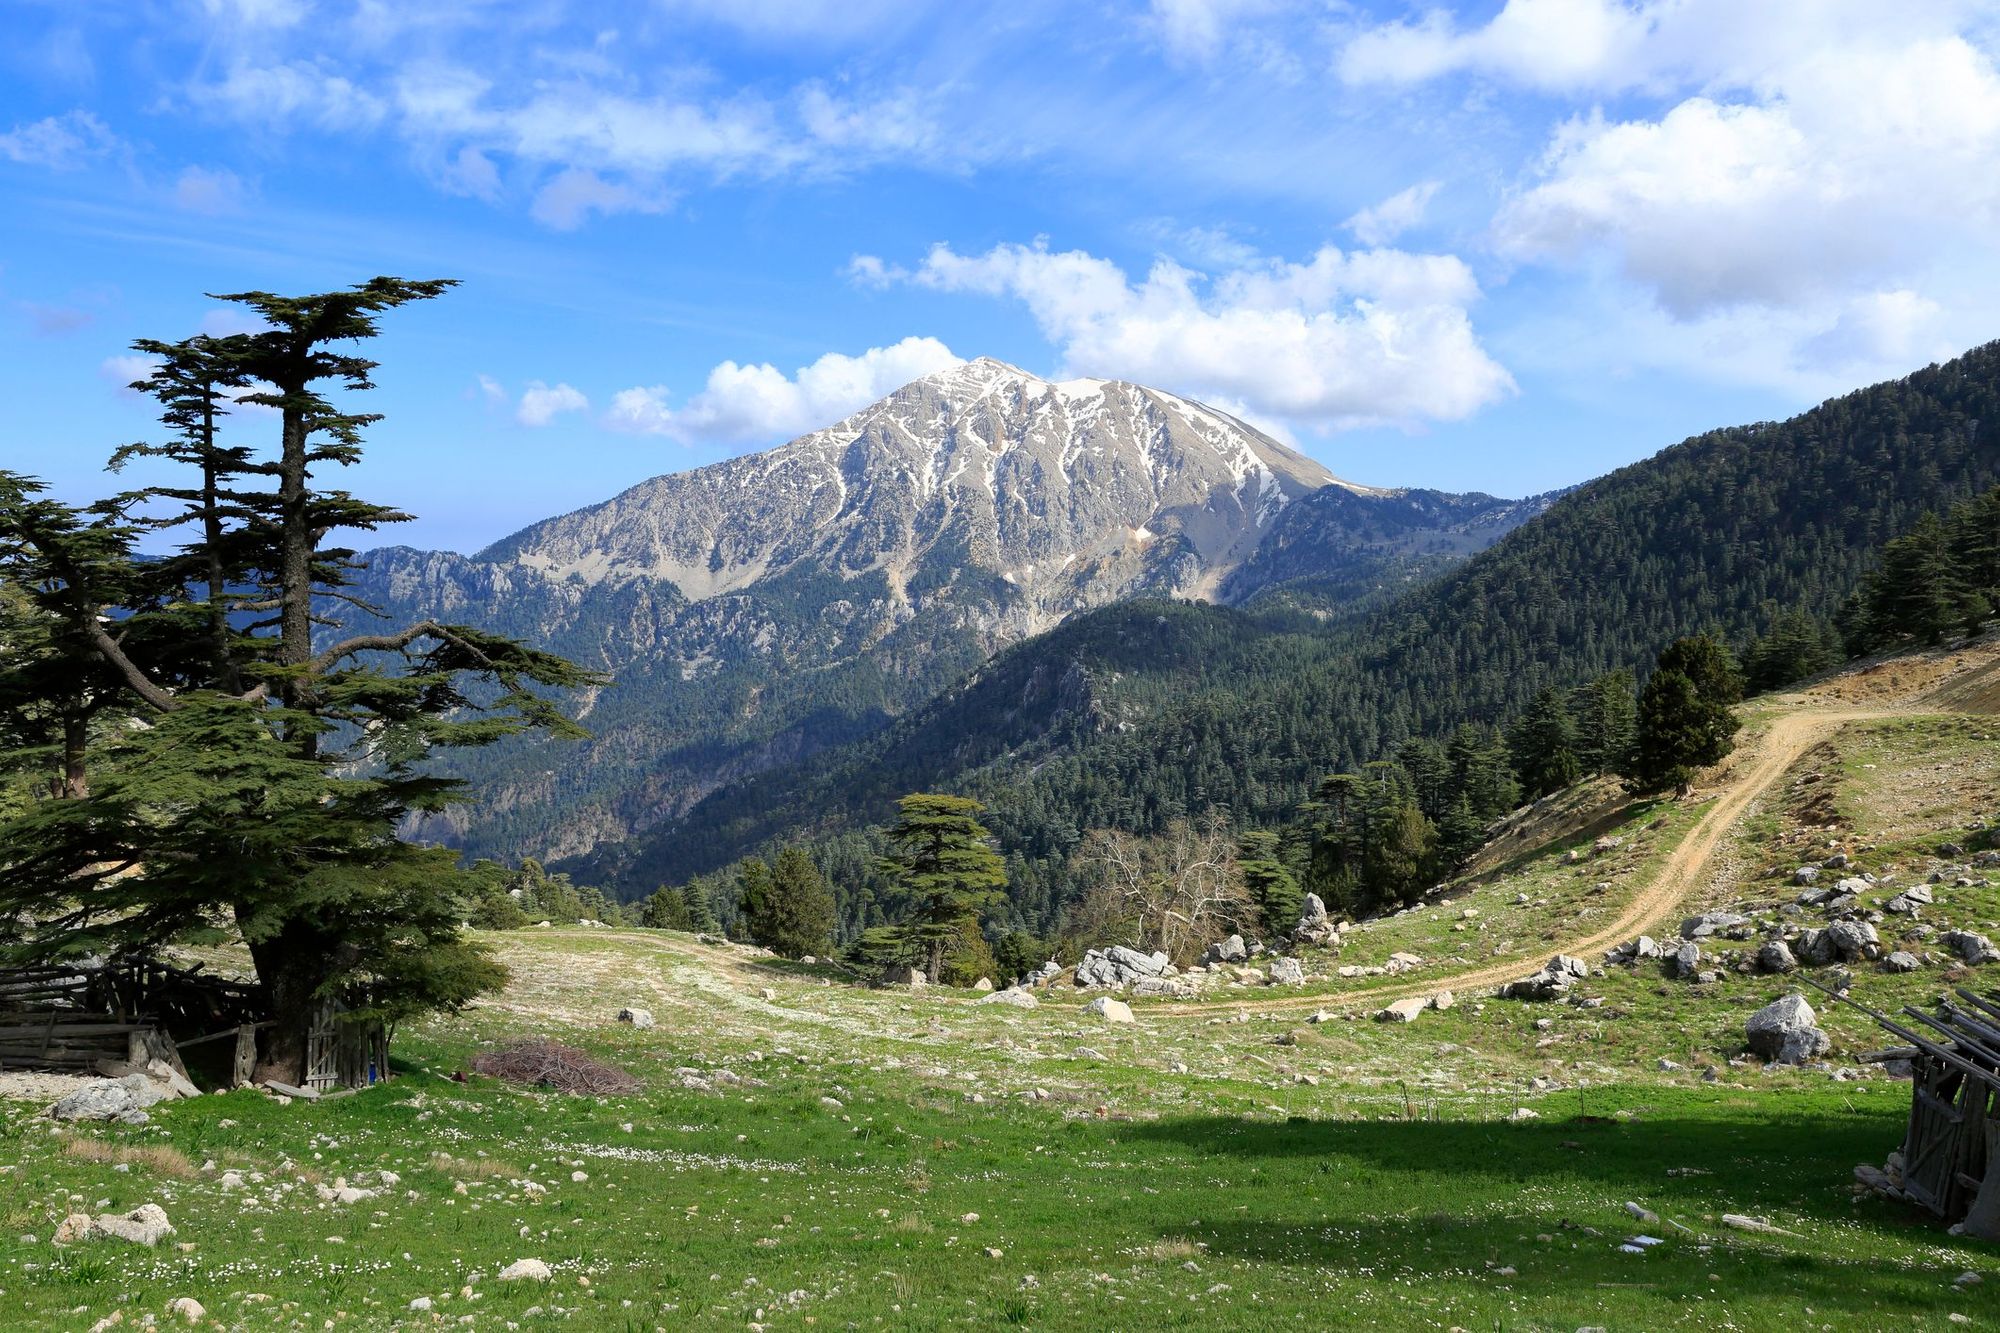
(1758, 766)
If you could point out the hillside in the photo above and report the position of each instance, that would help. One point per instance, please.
(759, 610)
(812, 1149)
(1193, 707)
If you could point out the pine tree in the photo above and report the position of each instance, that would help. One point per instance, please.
(1607, 723)
(1544, 745)
(944, 864)
(789, 908)
(1796, 646)
(273, 772)
(1271, 884)
(1920, 592)
(1685, 722)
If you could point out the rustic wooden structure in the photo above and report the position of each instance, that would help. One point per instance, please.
(98, 1016)
(1951, 1148)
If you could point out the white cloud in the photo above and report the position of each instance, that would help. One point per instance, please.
(762, 403)
(1382, 223)
(567, 201)
(209, 190)
(1198, 30)
(542, 403)
(280, 93)
(1550, 44)
(61, 142)
(492, 390)
(126, 369)
(1861, 168)
(259, 13)
(1341, 339)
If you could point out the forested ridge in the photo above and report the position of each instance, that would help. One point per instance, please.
(1136, 715)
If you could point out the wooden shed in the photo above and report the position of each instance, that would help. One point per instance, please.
(1950, 1159)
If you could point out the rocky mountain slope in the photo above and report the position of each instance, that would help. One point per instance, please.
(758, 610)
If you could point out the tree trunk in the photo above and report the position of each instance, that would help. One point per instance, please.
(295, 557)
(75, 783)
(291, 966)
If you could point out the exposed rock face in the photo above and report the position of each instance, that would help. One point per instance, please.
(1786, 1031)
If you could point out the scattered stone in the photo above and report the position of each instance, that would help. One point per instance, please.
(1684, 961)
(1711, 923)
(1110, 1010)
(1787, 1032)
(421, 1304)
(1805, 875)
(1902, 961)
(1287, 972)
(1552, 982)
(1776, 956)
(1524, 1113)
(638, 1018)
(145, 1225)
(1118, 967)
(1231, 950)
(1974, 949)
(524, 1270)
(902, 974)
(1401, 1011)
(1315, 926)
(1013, 995)
(1853, 940)
(188, 1308)
(110, 1099)
(1443, 1000)
(984, 985)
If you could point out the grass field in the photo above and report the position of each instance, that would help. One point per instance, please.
(806, 1153)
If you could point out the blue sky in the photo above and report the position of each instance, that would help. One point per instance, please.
(1496, 246)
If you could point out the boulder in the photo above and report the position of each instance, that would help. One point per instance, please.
(1110, 1010)
(1165, 987)
(524, 1270)
(1776, 956)
(145, 1225)
(1552, 982)
(1852, 940)
(1118, 967)
(902, 974)
(1786, 1031)
(1013, 995)
(1633, 950)
(1231, 950)
(1315, 926)
(1902, 961)
(1805, 875)
(1402, 1011)
(1685, 961)
(1974, 949)
(111, 1099)
(638, 1018)
(1813, 947)
(1853, 886)
(1287, 972)
(1711, 923)
(1044, 974)
(983, 985)
(1443, 1000)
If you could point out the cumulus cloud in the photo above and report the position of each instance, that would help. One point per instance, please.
(1382, 223)
(1859, 169)
(542, 403)
(760, 402)
(62, 143)
(1341, 339)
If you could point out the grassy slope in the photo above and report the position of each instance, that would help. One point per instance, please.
(1247, 1169)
